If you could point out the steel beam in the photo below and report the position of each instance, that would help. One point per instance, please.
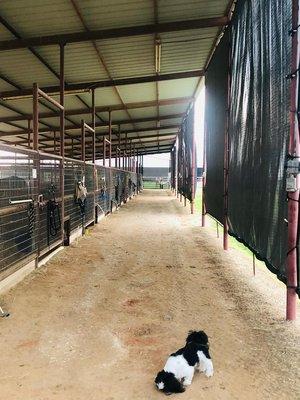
(112, 33)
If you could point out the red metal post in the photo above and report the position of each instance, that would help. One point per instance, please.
(119, 138)
(294, 151)
(94, 128)
(35, 119)
(193, 171)
(130, 156)
(54, 141)
(226, 160)
(104, 150)
(72, 147)
(110, 130)
(62, 135)
(82, 140)
(204, 179)
(126, 160)
(29, 133)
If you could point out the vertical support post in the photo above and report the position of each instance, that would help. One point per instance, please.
(62, 136)
(54, 141)
(94, 154)
(104, 151)
(204, 179)
(35, 121)
(72, 147)
(226, 160)
(62, 99)
(294, 151)
(29, 133)
(109, 137)
(94, 127)
(119, 138)
(82, 140)
(193, 191)
(35, 117)
(130, 156)
(126, 161)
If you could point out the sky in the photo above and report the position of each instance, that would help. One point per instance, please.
(162, 160)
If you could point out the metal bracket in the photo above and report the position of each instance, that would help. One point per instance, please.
(14, 202)
(293, 166)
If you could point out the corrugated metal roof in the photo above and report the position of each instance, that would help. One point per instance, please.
(121, 57)
(176, 10)
(33, 18)
(112, 14)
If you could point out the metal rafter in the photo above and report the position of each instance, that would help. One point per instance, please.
(77, 37)
(113, 107)
(88, 86)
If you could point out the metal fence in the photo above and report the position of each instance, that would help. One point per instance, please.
(38, 205)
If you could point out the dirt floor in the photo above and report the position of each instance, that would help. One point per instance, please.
(99, 320)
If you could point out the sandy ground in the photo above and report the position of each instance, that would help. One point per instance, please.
(100, 319)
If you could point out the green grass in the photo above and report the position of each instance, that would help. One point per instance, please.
(152, 185)
(212, 224)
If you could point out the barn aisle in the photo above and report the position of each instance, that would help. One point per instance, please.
(98, 321)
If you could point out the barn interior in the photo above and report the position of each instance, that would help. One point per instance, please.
(100, 277)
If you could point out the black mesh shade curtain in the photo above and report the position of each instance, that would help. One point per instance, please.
(260, 57)
(185, 156)
(216, 90)
(259, 128)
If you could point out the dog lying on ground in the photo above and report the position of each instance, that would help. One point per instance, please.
(181, 366)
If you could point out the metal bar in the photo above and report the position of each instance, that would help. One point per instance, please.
(29, 133)
(94, 127)
(77, 37)
(139, 130)
(48, 98)
(88, 128)
(226, 158)
(204, 179)
(54, 141)
(113, 107)
(293, 197)
(130, 155)
(82, 140)
(104, 150)
(24, 117)
(119, 137)
(35, 116)
(109, 135)
(193, 191)
(126, 158)
(62, 134)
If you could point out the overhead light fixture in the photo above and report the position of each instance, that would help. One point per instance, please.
(157, 55)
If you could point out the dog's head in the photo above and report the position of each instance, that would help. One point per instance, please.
(199, 337)
(167, 383)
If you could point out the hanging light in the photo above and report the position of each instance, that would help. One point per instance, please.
(157, 55)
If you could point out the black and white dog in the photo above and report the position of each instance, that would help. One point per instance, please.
(180, 366)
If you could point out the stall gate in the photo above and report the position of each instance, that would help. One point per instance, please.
(38, 205)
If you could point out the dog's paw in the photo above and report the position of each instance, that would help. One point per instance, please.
(209, 372)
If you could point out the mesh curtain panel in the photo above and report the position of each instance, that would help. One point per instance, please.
(185, 159)
(216, 89)
(259, 128)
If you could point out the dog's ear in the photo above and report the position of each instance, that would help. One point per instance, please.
(159, 376)
(199, 337)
